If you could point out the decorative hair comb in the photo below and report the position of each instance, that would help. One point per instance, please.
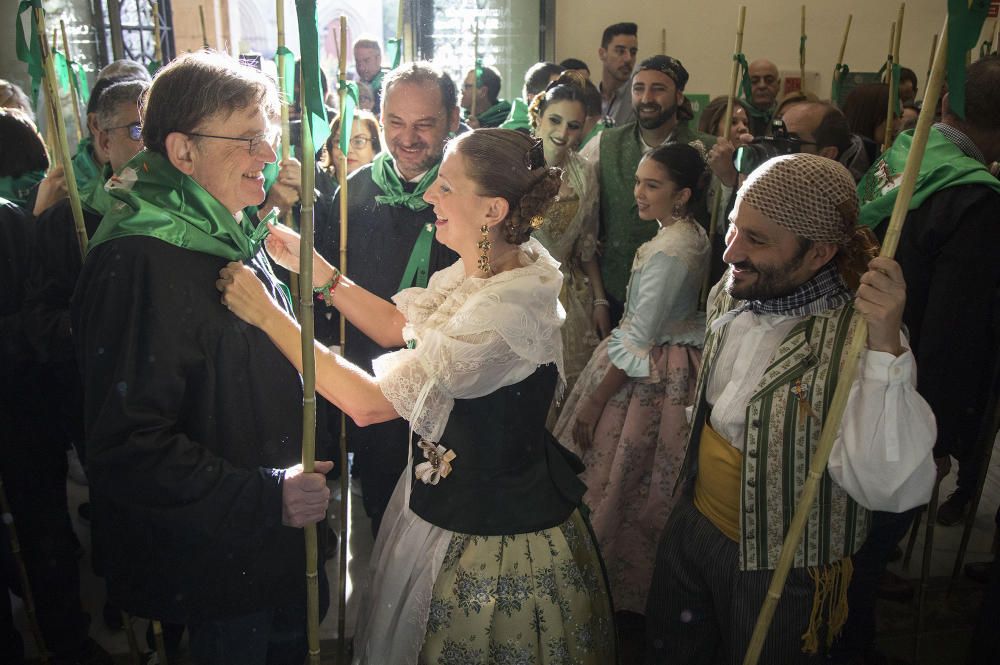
(535, 157)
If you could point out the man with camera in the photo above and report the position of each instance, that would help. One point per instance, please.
(662, 113)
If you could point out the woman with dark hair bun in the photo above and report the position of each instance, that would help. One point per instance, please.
(569, 232)
(626, 414)
(483, 553)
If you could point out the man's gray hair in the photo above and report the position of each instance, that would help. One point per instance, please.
(123, 92)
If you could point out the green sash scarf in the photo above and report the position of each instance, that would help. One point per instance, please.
(385, 178)
(944, 165)
(518, 118)
(416, 273)
(93, 196)
(85, 167)
(17, 190)
(152, 198)
(494, 115)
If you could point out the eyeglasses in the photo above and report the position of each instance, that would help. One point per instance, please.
(357, 142)
(253, 143)
(134, 130)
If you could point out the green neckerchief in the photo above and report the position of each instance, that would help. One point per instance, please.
(518, 116)
(93, 196)
(944, 165)
(18, 190)
(385, 178)
(597, 129)
(417, 268)
(494, 115)
(85, 167)
(376, 83)
(745, 93)
(152, 198)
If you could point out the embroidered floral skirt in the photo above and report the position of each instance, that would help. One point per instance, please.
(634, 462)
(450, 598)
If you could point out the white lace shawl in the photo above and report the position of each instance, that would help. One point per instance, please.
(472, 337)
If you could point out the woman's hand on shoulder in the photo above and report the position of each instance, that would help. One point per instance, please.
(244, 294)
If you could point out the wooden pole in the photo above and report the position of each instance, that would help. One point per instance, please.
(925, 568)
(345, 494)
(76, 99)
(400, 29)
(890, 117)
(663, 41)
(22, 573)
(802, 53)
(727, 123)
(994, 46)
(890, 63)
(204, 33)
(161, 646)
(157, 44)
(840, 56)
(52, 95)
(475, 67)
(930, 64)
(115, 25)
(286, 135)
(308, 370)
(835, 415)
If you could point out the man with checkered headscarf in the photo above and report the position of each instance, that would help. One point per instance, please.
(778, 327)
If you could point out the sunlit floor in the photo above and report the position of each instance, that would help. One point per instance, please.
(944, 641)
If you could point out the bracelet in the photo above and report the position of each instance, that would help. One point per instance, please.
(325, 292)
(601, 302)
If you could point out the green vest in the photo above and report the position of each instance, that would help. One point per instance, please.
(621, 149)
(778, 444)
(944, 165)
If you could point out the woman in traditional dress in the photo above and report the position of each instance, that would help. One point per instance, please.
(569, 232)
(483, 555)
(626, 413)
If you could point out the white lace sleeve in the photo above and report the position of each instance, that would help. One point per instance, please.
(458, 367)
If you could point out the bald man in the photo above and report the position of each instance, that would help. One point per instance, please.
(765, 83)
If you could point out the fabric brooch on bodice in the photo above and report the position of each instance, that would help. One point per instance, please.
(438, 464)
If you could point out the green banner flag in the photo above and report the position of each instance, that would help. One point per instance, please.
(313, 108)
(965, 22)
(347, 114)
(79, 80)
(394, 52)
(287, 73)
(745, 92)
(29, 48)
(62, 70)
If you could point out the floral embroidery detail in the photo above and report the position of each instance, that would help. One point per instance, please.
(512, 590)
(457, 653)
(440, 615)
(438, 465)
(473, 591)
(510, 653)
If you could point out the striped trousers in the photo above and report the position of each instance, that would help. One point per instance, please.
(701, 608)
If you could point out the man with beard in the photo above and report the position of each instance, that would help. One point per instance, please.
(390, 244)
(662, 114)
(777, 333)
(765, 83)
(619, 46)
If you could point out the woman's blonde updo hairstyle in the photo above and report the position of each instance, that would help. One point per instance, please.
(510, 165)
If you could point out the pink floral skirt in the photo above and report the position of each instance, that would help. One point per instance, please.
(634, 462)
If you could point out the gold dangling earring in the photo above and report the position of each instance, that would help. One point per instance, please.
(484, 251)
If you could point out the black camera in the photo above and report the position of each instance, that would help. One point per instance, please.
(762, 148)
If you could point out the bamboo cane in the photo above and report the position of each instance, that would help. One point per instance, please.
(891, 107)
(912, 540)
(22, 573)
(400, 29)
(308, 367)
(925, 569)
(994, 46)
(51, 142)
(843, 49)
(835, 416)
(663, 41)
(890, 118)
(154, 7)
(802, 53)
(115, 24)
(930, 64)
(345, 494)
(161, 647)
(133, 643)
(727, 123)
(286, 136)
(52, 95)
(475, 72)
(76, 100)
(987, 436)
(204, 33)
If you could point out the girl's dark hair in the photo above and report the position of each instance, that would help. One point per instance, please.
(569, 87)
(510, 164)
(328, 161)
(865, 108)
(712, 116)
(23, 149)
(685, 167)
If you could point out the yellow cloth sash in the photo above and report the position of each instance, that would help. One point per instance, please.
(717, 486)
